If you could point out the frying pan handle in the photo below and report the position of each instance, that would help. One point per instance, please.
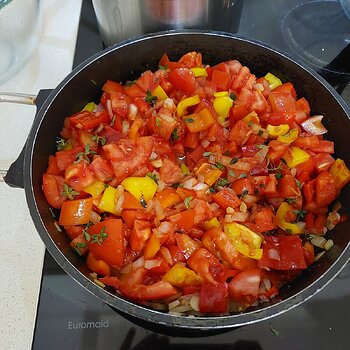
(15, 97)
(14, 175)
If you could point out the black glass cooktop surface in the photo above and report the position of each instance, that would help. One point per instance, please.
(69, 317)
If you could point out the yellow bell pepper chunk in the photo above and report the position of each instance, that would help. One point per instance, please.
(290, 137)
(222, 105)
(296, 156)
(209, 174)
(184, 168)
(341, 173)
(159, 93)
(221, 94)
(273, 80)
(214, 222)
(252, 117)
(187, 102)
(109, 200)
(181, 276)
(140, 187)
(277, 130)
(89, 107)
(246, 241)
(95, 189)
(199, 72)
(281, 213)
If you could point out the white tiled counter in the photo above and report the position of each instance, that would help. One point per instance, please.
(21, 249)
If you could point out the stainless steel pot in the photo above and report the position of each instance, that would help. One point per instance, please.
(121, 19)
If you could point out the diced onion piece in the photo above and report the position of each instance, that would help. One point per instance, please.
(99, 283)
(237, 217)
(273, 254)
(214, 207)
(261, 154)
(301, 225)
(240, 165)
(94, 217)
(138, 263)
(132, 111)
(158, 163)
(182, 308)
(152, 263)
(194, 302)
(229, 210)
(329, 244)
(205, 143)
(125, 126)
(58, 228)
(109, 109)
(319, 255)
(225, 160)
(314, 125)
(267, 283)
(173, 304)
(200, 186)
(318, 241)
(165, 253)
(243, 207)
(189, 184)
(249, 199)
(126, 269)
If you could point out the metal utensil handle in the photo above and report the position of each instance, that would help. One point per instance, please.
(15, 97)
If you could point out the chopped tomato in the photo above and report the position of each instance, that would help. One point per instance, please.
(86, 120)
(244, 287)
(76, 212)
(226, 198)
(107, 241)
(53, 188)
(213, 299)
(325, 189)
(183, 79)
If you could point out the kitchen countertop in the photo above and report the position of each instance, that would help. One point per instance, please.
(21, 248)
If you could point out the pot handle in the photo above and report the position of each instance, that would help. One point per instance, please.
(14, 175)
(15, 97)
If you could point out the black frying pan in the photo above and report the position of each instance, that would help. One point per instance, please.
(126, 61)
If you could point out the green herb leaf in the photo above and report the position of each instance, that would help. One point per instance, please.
(187, 201)
(219, 166)
(158, 121)
(299, 184)
(231, 173)
(61, 143)
(250, 124)
(288, 230)
(256, 192)
(234, 160)
(153, 177)
(69, 192)
(278, 175)
(223, 182)
(260, 146)
(300, 214)
(151, 100)
(100, 237)
(206, 154)
(99, 139)
(175, 185)
(227, 153)
(53, 215)
(189, 120)
(163, 67)
(174, 135)
(291, 200)
(242, 176)
(274, 331)
(78, 246)
(260, 132)
(85, 155)
(130, 82)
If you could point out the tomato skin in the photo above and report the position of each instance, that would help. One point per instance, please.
(183, 79)
(242, 185)
(112, 249)
(238, 132)
(325, 189)
(139, 235)
(126, 156)
(287, 248)
(244, 287)
(265, 219)
(221, 79)
(226, 198)
(53, 188)
(86, 120)
(101, 169)
(213, 299)
(76, 212)
(65, 158)
(288, 187)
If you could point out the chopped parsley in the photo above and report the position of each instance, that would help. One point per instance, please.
(85, 155)
(260, 132)
(223, 182)
(174, 135)
(100, 237)
(291, 200)
(187, 201)
(189, 120)
(232, 96)
(231, 173)
(153, 177)
(242, 176)
(69, 192)
(163, 67)
(61, 143)
(234, 160)
(150, 99)
(300, 214)
(278, 176)
(206, 154)
(158, 122)
(99, 139)
(219, 166)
